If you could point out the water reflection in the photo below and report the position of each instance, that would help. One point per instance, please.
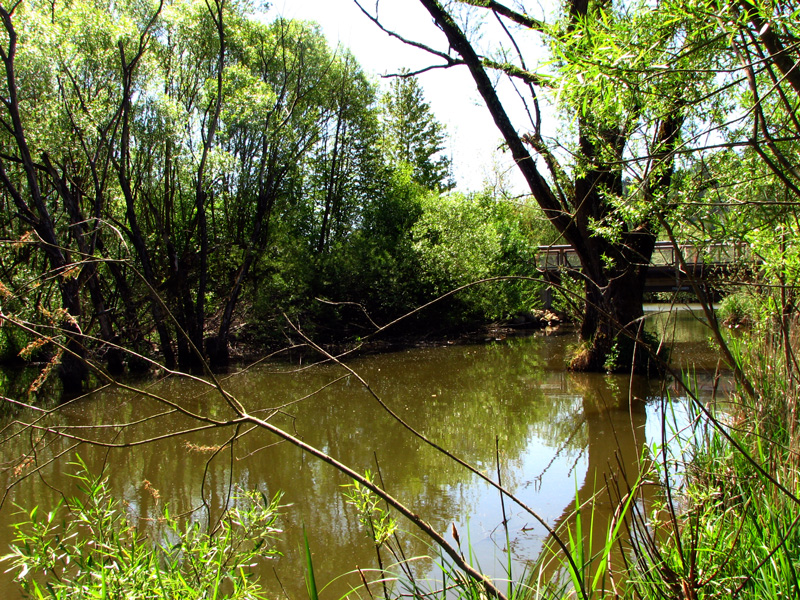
(559, 436)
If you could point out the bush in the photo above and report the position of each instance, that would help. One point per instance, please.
(87, 547)
(461, 238)
(738, 308)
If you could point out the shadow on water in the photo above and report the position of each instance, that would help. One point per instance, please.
(559, 435)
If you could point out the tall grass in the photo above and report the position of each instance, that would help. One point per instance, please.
(728, 527)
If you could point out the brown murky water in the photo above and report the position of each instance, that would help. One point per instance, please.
(559, 434)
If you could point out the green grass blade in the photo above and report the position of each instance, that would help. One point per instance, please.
(311, 583)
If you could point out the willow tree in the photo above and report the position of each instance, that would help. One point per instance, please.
(285, 89)
(602, 199)
(148, 151)
(746, 187)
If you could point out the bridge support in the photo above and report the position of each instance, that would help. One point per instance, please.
(546, 296)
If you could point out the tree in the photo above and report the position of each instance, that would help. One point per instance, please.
(288, 67)
(151, 151)
(411, 134)
(585, 201)
(620, 128)
(345, 164)
(30, 185)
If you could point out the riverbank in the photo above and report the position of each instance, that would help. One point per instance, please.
(404, 334)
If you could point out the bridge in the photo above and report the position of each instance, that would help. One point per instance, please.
(702, 263)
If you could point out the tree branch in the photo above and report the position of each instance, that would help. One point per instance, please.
(555, 211)
(449, 60)
(501, 9)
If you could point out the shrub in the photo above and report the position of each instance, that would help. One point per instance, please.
(87, 547)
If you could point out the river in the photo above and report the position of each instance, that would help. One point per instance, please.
(558, 435)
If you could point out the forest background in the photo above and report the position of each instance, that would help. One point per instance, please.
(190, 177)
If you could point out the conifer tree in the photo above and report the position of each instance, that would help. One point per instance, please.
(412, 135)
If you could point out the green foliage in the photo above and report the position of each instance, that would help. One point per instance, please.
(413, 245)
(738, 308)
(377, 521)
(736, 533)
(456, 240)
(460, 239)
(87, 547)
(411, 135)
(11, 343)
(568, 298)
(624, 66)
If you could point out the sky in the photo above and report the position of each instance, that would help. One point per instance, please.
(451, 93)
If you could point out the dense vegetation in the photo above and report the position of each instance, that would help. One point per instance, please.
(179, 175)
(674, 116)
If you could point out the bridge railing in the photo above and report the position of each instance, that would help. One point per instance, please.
(557, 257)
(665, 254)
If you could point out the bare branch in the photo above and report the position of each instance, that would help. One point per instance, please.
(449, 60)
(404, 74)
(512, 15)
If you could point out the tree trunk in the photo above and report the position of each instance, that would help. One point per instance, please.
(122, 168)
(610, 327)
(613, 271)
(191, 355)
(73, 370)
(89, 274)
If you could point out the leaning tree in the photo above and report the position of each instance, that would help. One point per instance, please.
(607, 190)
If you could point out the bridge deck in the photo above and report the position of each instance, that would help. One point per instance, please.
(664, 272)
